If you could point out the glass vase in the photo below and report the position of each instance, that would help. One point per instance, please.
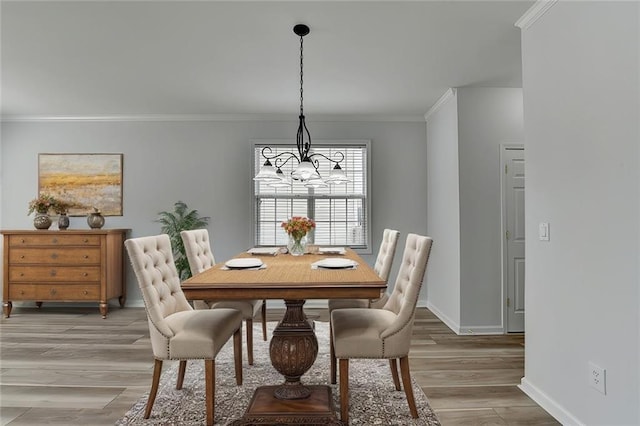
(297, 246)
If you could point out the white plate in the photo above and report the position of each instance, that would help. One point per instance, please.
(331, 250)
(335, 263)
(243, 263)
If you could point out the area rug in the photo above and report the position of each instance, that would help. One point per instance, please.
(374, 400)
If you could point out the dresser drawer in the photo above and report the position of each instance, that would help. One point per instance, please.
(55, 273)
(42, 292)
(68, 292)
(66, 255)
(22, 291)
(27, 240)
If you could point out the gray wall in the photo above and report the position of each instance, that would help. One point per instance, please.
(581, 105)
(464, 137)
(487, 118)
(208, 164)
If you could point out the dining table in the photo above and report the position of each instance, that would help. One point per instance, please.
(293, 346)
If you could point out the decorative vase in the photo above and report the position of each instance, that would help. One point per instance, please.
(63, 221)
(297, 246)
(42, 221)
(95, 219)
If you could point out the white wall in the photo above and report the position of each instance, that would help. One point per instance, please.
(208, 164)
(464, 135)
(443, 211)
(581, 104)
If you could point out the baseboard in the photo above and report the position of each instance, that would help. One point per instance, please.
(552, 407)
(309, 304)
(480, 329)
(275, 304)
(445, 319)
(470, 330)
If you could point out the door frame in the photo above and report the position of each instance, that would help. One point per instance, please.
(503, 230)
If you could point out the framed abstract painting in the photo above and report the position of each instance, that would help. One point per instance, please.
(84, 181)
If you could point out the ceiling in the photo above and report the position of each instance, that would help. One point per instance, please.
(187, 58)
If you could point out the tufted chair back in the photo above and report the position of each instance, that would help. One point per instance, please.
(197, 246)
(386, 253)
(404, 298)
(152, 261)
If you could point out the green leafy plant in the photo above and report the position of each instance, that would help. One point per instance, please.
(181, 219)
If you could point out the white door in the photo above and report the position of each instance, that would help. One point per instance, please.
(513, 238)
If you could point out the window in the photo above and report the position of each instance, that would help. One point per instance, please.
(341, 211)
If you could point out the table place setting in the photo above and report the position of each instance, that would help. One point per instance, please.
(331, 250)
(244, 264)
(334, 263)
(265, 251)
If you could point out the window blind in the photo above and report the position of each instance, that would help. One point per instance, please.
(341, 212)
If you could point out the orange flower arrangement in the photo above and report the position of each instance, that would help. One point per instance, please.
(298, 226)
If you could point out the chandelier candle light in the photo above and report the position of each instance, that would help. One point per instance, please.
(307, 169)
(297, 227)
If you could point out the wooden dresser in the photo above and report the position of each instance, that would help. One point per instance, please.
(70, 266)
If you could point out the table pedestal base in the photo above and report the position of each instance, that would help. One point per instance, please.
(266, 409)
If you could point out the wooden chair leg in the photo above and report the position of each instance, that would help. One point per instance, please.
(332, 355)
(394, 373)
(264, 320)
(344, 390)
(249, 324)
(182, 368)
(408, 389)
(210, 389)
(237, 354)
(157, 371)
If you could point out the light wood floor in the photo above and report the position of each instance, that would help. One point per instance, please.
(68, 366)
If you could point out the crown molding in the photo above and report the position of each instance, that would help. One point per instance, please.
(534, 13)
(450, 93)
(209, 118)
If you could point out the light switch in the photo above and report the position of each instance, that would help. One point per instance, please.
(543, 231)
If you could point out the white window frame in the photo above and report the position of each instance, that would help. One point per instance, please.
(366, 144)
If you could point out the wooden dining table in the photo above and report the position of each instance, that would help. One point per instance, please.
(293, 347)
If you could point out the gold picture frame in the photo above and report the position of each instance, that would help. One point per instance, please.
(85, 181)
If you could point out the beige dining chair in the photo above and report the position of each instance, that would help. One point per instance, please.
(177, 331)
(197, 247)
(383, 333)
(382, 267)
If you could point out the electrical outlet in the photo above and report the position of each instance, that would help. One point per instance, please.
(598, 378)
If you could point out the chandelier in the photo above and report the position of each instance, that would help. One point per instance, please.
(307, 161)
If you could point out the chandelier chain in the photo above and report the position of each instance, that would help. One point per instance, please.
(301, 79)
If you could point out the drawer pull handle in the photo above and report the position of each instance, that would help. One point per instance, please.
(55, 241)
(86, 274)
(22, 257)
(53, 273)
(53, 291)
(86, 240)
(85, 292)
(22, 241)
(22, 274)
(86, 256)
(21, 292)
(54, 255)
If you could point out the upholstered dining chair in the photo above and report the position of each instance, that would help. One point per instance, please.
(384, 260)
(383, 333)
(177, 331)
(200, 256)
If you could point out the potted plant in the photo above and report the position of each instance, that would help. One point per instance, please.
(181, 219)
